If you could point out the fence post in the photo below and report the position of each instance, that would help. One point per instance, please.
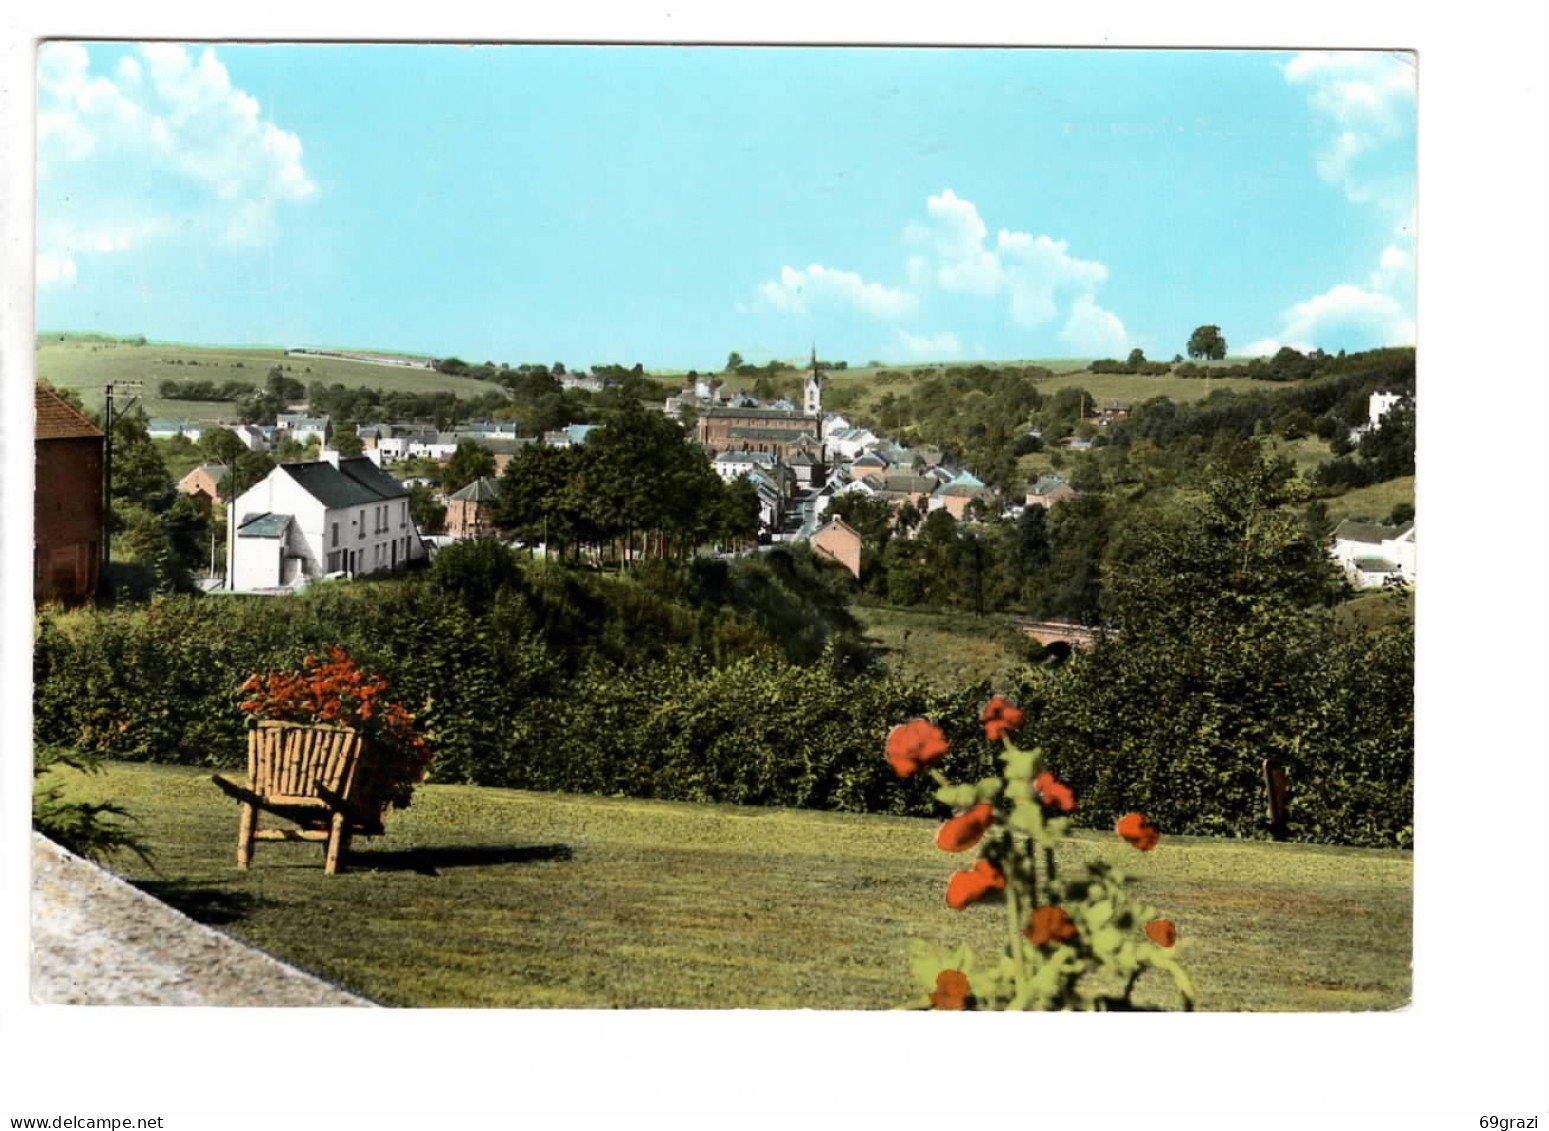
(1279, 796)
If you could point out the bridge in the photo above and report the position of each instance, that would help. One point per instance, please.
(1057, 636)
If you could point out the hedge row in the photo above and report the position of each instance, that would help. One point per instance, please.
(507, 708)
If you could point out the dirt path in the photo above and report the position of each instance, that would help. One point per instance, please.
(97, 940)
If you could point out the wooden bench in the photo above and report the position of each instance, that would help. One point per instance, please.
(315, 777)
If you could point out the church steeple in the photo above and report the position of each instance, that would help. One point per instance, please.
(812, 403)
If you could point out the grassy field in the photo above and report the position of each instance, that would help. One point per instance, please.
(1067, 372)
(1374, 503)
(485, 897)
(944, 649)
(87, 366)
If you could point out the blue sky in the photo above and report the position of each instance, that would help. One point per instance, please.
(668, 205)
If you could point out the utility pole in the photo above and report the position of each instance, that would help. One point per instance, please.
(109, 419)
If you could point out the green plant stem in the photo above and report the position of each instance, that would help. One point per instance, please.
(1013, 922)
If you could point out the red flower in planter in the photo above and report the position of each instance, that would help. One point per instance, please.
(1162, 932)
(951, 991)
(1000, 718)
(1139, 831)
(1052, 791)
(915, 745)
(966, 887)
(1049, 924)
(963, 831)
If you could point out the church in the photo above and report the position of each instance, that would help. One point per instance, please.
(780, 432)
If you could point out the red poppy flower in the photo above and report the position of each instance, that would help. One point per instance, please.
(915, 745)
(1054, 792)
(966, 887)
(1049, 924)
(1162, 932)
(1000, 718)
(952, 990)
(963, 831)
(1139, 831)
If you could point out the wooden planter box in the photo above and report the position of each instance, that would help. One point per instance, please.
(321, 779)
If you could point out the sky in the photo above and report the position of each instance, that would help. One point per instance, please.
(668, 205)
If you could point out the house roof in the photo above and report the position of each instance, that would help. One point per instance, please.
(57, 418)
(1373, 532)
(749, 432)
(355, 482)
(216, 471)
(737, 455)
(1374, 565)
(840, 524)
(265, 525)
(484, 489)
(1048, 484)
(766, 413)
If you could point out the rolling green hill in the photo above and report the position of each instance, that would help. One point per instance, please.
(86, 363)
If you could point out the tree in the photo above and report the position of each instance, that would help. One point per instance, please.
(1206, 343)
(1137, 358)
(247, 469)
(470, 461)
(429, 515)
(347, 443)
(222, 445)
(733, 361)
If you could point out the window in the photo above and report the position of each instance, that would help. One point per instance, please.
(335, 540)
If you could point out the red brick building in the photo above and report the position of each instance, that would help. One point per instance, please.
(67, 502)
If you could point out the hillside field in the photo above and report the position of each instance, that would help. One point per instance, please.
(87, 366)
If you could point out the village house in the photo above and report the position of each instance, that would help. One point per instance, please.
(571, 435)
(67, 501)
(731, 464)
(837, 541)
(1049, 490)
(470, 511)
(1373, 554)
(257, 437)
(1112, 412)
(304, 428)
(955, 495)
(168, 429)
(202, 484)
(304, 521)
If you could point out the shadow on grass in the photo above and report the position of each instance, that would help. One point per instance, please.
(427, 861)
(203, 903)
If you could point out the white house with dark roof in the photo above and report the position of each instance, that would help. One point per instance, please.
(730, 465)
(1373, 554)
(303, 427)
(306, 520)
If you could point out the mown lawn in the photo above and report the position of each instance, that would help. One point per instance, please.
(486, 897)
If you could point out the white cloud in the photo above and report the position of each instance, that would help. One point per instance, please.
(1038, 266)
(1366, 102)
(1092, 331)
(1034, 276)
(796, 289)
(1343, 317)
(167, 143)
(1268, 347)
(937, 347)
(957, 236)
(55, 269)
(1395, 273)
